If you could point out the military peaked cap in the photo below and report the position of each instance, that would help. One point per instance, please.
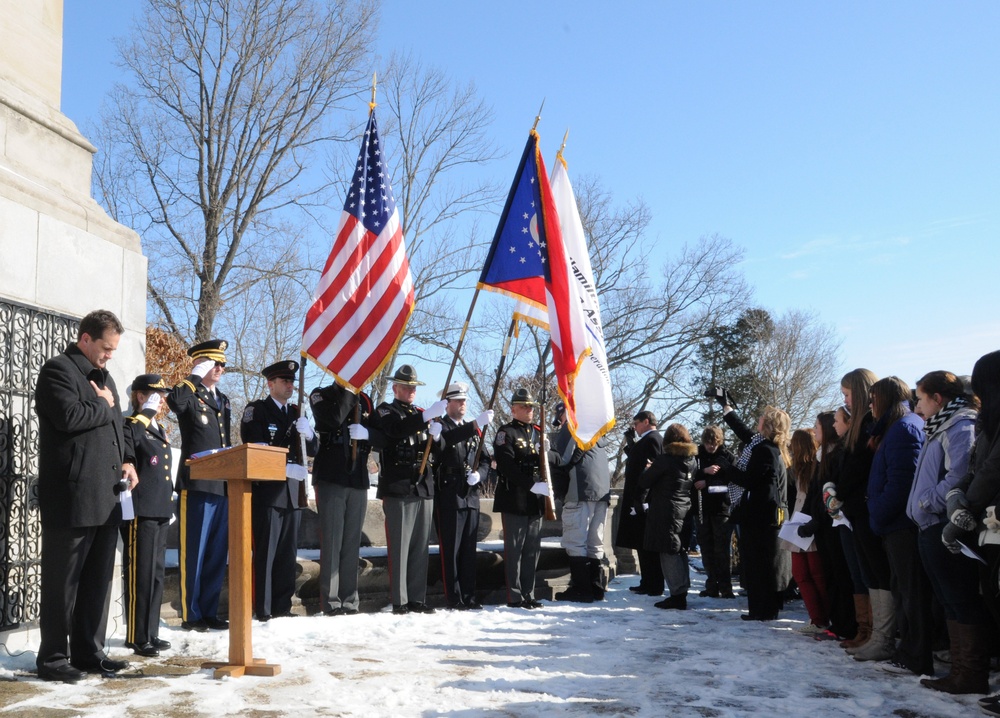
(149, 382)
(214, 349)
(456, 390)
(407, 375)
(281, 370)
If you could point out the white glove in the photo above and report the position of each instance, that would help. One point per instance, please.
(296, 471)
(991, 519)
(302, 426)
(202, 368)
(541, 488)
(153, 402)
(358, 432)
(543, 446)
(484, 419)
(435, 430)
(473, 478)
(435, 410)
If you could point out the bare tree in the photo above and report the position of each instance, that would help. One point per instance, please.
(794, 364)
(209, 144)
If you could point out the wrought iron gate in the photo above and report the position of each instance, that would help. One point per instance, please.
(28, 337)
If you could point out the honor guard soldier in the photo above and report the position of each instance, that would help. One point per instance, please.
(456, 498)
(144, 538)
(82, 468)
(520, 497)
(203, 418)
(340, 480)
(275, 505)
(407, 493)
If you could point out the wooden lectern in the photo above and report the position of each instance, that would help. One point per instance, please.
(238, 467)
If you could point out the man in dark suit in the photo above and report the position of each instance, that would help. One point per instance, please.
(82, 469)
(203, 418)
(642, 443)
(275, 505)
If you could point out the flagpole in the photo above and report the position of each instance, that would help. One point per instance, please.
(496, 388)
(559, 154)
(303, 499)
(543, 455)
(372, 105)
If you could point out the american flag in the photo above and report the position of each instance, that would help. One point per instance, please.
(365, 294)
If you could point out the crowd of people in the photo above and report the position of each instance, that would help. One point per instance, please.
(882, 515)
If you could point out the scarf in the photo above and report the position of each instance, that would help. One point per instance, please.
(735, 491)
(934, 424)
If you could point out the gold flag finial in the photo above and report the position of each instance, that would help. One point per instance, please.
(538, 116)
(371, 105)
(559, 154)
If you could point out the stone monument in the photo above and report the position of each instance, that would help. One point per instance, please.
(61, 256)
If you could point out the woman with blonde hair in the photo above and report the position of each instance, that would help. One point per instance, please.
(761, 471)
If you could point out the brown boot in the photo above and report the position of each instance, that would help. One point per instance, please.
(863, 615)
(970, 673)
(945, 683)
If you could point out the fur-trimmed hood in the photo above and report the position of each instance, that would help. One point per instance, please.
(680, 448)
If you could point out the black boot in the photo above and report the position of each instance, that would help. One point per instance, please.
(596, 578)
(579, 582)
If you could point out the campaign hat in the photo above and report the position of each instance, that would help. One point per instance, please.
(407, 375)
(523, 396)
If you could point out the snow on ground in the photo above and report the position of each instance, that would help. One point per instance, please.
(622, 657)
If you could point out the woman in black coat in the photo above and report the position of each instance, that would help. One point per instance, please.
(668, 483)
(761, 472)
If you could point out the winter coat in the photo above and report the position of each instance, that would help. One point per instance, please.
(632, 517)
(712, 504)
(518, 469)
(668, 485)
(586, 474)
(982, 483)
(852, 477)
(943, 462)
(891, 477)
(765, 480)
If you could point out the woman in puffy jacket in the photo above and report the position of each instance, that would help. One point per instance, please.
(668, 482)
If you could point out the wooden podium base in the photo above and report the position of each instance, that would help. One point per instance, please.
(230, 670)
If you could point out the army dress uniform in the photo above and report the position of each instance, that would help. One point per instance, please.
(341, 483)
(275, 505)
(203, 417)
(457, 509)
(144, 538)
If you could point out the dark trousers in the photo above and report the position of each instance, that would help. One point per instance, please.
(341, 512)
(913, 596)
(204, 536)
(872, 556)
(144, 542)
(715, 535)
(522, 543)
(858, 579)
(275, 546)
(954, 579)
(758, 558)
(458, 530)
(78, 565)
(650, 571)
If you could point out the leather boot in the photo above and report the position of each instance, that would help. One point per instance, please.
(579, 590)
(882, 644)
(970, 669)
(596, 575)
(955, 648)
(863, 615)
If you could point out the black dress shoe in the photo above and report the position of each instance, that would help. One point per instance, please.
(334, 612)
(415, 607)
(517, 604)
(64, 673)
(263, 619)
(101, 665)
(531, 603)
(160, 644)
(200, 626)
(349, 611)
(146, 649)
(217, 624)
(400, 610)
(473, 606)
(637, 589)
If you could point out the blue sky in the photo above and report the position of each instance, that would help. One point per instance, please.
(852, 148)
